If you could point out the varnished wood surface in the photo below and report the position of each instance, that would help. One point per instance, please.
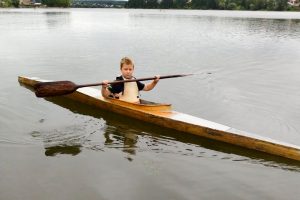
(162, 115)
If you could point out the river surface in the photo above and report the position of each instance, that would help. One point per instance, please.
(247, 77)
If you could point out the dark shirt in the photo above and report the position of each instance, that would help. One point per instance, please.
(119, 87)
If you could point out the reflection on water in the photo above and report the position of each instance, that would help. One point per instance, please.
(62, 141)
(35, 18)
(271, 28)
(53, 151)
(85, 132)
(55, 19)
(118, 137)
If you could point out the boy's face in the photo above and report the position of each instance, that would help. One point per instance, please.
(127, 70)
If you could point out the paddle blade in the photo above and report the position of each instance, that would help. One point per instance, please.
(57, 88)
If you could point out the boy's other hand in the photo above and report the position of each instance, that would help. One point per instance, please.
(105, 83)
(157, 77)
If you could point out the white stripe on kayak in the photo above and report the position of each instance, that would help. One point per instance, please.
(198, 121)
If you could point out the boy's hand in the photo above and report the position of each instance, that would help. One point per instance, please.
(157, 77)
(104, 91)
(116, 95)
(105, 84)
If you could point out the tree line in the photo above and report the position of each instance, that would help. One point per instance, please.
(272, 5)
(57, 3)
(9, 3)
(49, 3)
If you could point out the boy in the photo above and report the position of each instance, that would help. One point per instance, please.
(126, 91)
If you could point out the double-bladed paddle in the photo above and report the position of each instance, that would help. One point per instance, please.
(57, 88)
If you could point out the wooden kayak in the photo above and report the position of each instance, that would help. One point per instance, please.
(163, 115)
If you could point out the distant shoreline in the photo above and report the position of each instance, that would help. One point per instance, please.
(44, 6)
(249, 5)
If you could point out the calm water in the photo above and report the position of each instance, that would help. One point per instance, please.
(247, 66)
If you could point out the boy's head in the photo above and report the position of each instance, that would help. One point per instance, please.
(126, 67)
(126, 61)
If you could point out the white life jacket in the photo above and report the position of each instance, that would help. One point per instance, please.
(130, 93)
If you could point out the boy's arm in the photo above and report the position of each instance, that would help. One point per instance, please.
(151, 85)
(104, 91)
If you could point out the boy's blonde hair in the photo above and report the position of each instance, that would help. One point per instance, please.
(126, 61)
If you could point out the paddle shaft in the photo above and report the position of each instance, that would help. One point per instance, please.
(132, 80)
(56, 88)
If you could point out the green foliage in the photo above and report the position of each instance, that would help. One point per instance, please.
(222, 4)
(180, 3)
(57, 3)
(136, 4)
(252, 6)
(278, 5)
(199, 4)
(151, 4)
(293, 8)
(15, 3)
(166, 4)
(232, 6)
(5, 3)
